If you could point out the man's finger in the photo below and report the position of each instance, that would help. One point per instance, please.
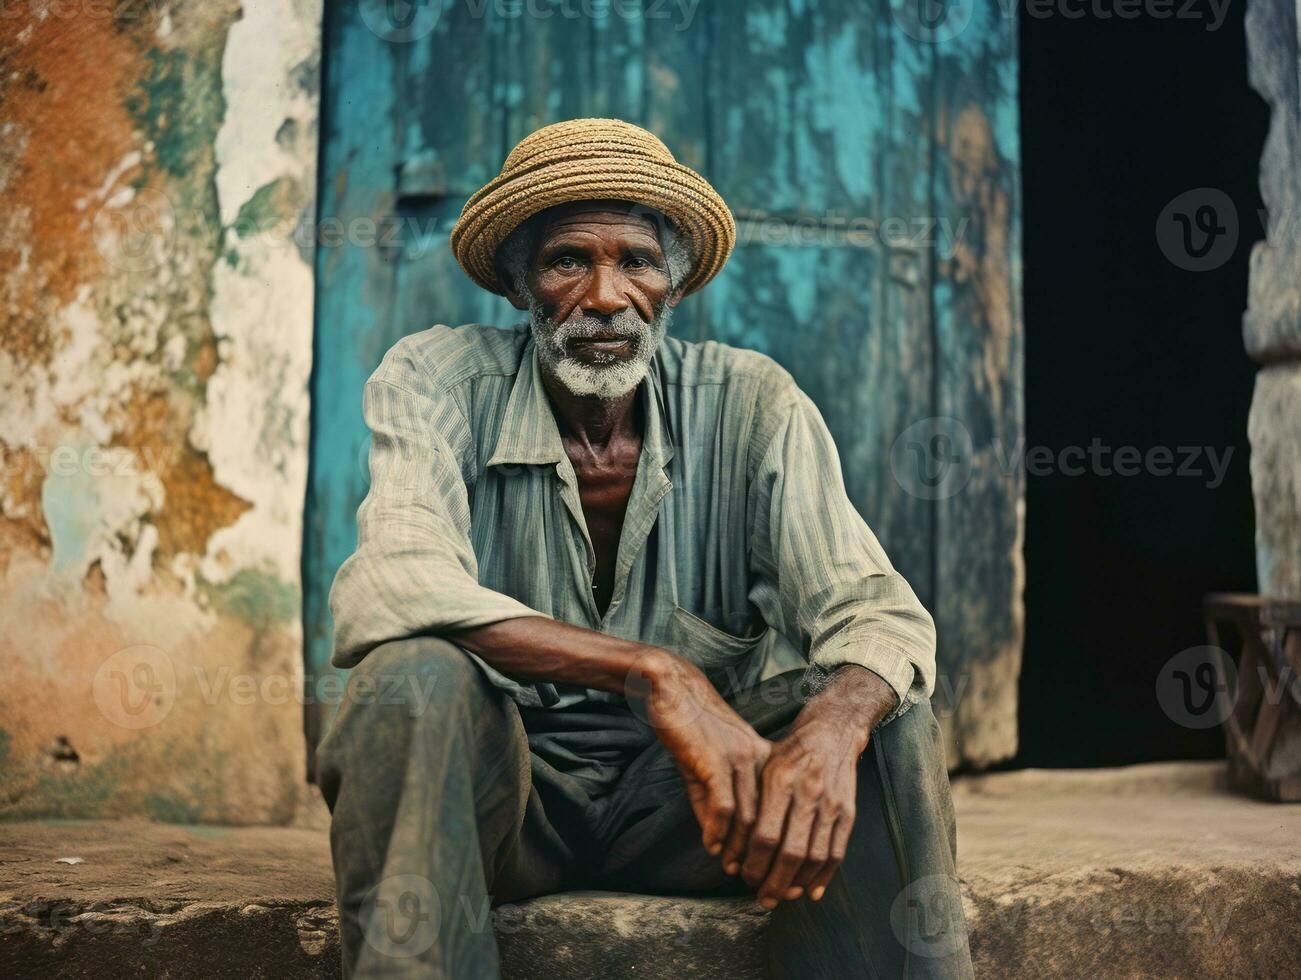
(745, 783)
(791, 853)
(720, 804)
(774, 801)
(839, 842)
(819, 851)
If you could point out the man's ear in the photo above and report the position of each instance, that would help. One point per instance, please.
(509, 290)
(675, 297)
(516, 300)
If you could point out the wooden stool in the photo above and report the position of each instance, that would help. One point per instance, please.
(1263, 732)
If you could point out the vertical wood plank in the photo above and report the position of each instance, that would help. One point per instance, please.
(979, 526)
(453, 111)
(354, 302)
(819, 138)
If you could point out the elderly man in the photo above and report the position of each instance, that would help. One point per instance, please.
(584, 546)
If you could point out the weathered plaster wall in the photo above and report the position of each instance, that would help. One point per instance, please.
(155, 345)
(1272, 325)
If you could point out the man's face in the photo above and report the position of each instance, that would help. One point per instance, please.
(600, 298)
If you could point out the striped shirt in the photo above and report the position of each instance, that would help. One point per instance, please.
(740, 549)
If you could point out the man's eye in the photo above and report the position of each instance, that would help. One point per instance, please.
(637, 264)
(566, 263)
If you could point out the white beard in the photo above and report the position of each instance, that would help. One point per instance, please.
(606, 381)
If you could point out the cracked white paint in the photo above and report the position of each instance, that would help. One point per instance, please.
(255, 426)
(91, 507)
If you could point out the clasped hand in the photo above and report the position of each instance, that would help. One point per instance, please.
(778, 813)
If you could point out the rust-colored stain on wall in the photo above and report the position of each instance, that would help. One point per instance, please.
(66, 127)
(980, 258)
(196, 505)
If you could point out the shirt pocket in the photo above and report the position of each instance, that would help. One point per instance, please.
(708, 647)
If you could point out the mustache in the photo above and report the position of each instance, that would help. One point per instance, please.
(625, 325)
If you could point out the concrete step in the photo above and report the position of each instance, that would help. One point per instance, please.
(1150, 871)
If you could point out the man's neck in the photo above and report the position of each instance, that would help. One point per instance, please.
(589, 421)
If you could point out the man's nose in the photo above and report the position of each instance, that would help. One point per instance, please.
(605, 295)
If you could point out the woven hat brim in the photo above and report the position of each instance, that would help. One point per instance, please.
(676, 191)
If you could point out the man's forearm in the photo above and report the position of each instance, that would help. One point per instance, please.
(534, 648)
(853, 704)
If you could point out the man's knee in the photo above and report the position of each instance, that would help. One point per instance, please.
(421, 684)
(407, 699)
(417, 675)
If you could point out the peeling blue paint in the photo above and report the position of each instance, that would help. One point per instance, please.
(71, 504)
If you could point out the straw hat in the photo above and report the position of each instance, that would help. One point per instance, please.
(592, 160)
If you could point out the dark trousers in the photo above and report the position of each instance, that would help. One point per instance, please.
(447, 799)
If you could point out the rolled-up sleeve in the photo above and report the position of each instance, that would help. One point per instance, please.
(818, 573)
(414, 570)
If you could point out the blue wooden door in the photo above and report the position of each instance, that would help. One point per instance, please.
(870, 159)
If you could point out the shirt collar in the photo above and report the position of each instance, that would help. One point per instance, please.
(529, 434)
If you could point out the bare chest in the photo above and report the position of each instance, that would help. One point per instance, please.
(605, 483)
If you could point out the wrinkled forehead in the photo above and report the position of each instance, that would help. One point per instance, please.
(623, 217)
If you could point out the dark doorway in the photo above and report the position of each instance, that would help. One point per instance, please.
(1125, 347)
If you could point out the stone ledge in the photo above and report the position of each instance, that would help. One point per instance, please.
(1145, 871)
